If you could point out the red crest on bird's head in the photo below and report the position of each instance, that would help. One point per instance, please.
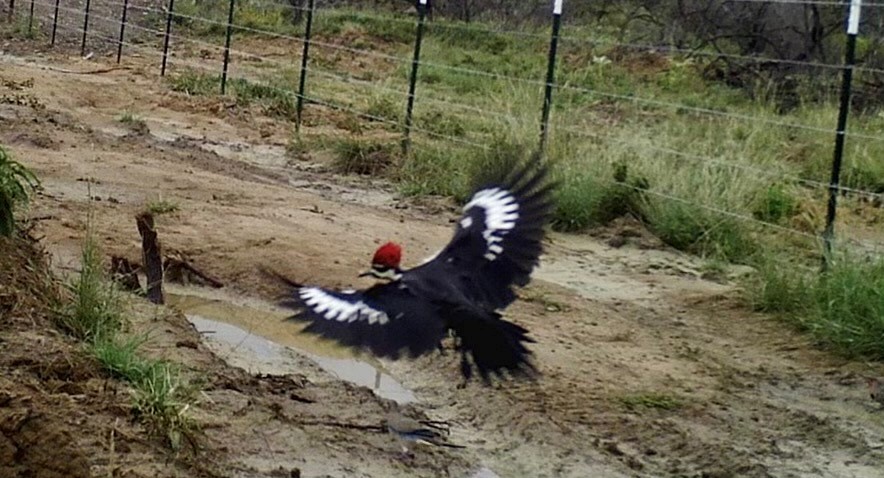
(388, 255)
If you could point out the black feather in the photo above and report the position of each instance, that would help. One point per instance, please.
(462, 289)
(494, 346)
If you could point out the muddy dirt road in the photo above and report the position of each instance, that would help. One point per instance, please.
(648, 368)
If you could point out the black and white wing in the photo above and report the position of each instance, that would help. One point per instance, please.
(498, 240)
(386, 319)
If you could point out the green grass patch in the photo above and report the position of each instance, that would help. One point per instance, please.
(775, 204)
(194, 83)
(95, 313)
(162, 206)
(161, 395)
(434, 169)
(385, 107)
(128, 117)
(364, 156)
(457, 171)
(17, 183)
(21, 30)
(586, 199)
(439, 123)
(120, 357)
(163, 398)
(134, 122)
(843, 308)
(694, 229)
(275, 100)
(365, 26)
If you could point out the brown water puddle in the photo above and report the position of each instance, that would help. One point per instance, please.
(258, 331)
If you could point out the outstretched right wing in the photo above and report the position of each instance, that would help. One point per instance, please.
(386, 319)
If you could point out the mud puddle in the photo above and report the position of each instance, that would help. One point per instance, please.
(257, 338)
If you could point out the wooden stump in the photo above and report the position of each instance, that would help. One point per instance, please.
(151, 257)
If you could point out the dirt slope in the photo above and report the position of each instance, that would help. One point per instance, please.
(648, 370)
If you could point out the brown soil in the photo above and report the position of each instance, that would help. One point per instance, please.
(60, 415)
(647, 368)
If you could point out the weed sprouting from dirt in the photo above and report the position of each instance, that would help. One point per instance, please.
(161, 396)
(714, 269)
(133, 122)
(128, 117)
(164, 398)
(364, 156)
(842, 308)
(275, 100)
(586, 200)
(695, 229)
(849, 307)
(780, 286)
(775, 204)
(120, 357)
(651, 400)
(194, 83)
(297, 147)
(539, 297)
(162, 206)
(95, 314)
(16, 185)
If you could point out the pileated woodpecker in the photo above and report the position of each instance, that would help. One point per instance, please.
(462, 288)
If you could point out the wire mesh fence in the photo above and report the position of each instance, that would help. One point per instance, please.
(444, 84)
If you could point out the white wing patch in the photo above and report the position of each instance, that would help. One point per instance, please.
(501, 213)
(334, 308)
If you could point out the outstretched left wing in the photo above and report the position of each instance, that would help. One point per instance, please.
(498, 240)
(386, 319)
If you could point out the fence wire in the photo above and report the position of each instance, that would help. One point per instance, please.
(471, 109)
(522, 80)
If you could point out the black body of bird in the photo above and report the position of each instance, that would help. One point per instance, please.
(463, 288)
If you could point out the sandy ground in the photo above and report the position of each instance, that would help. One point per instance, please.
(648, 368)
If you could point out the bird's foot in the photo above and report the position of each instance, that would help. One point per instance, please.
(405, 454)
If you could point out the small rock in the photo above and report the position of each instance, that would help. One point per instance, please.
(614, 448)
(617, 242)
(189, 344)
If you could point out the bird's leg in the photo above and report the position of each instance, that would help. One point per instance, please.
(465, 369)
(406, 454)
(449, 334)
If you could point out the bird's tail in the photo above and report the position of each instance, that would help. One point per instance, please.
(493, 346)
